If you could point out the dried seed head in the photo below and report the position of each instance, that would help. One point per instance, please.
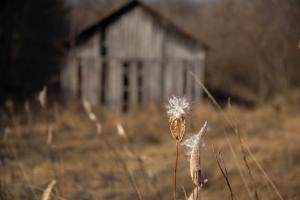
(177, 107)
(195, 144)
(177, 128)
(177, 110)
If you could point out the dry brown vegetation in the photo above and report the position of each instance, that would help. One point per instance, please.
(84, 166)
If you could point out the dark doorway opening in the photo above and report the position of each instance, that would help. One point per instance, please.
(125, 95)
(139, 82)
(104, 72)
(79, 78)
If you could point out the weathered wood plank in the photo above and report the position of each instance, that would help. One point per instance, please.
(178, 68)
(152, 81)
(133, 84)
(69, 79)
(168, 81)
(197, 69)
(188, 81)
(135, 35)
(91, 80)
(114, 86)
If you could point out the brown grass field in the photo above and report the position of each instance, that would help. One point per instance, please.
(86, 166)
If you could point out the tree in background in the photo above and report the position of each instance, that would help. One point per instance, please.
(254, 54)
(30, 36)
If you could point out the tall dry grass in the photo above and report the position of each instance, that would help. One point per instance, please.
(121, 144)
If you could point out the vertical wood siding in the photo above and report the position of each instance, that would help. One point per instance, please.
(114, 86)
(69, 79)
(133, 84)
(88, 58)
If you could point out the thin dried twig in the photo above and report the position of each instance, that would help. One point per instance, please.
(243, 151)
(224, 172)
(138, 158)
(250, 174)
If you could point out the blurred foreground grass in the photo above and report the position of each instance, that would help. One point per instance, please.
(85, 168)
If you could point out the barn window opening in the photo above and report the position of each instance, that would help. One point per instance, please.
(125, 96)
(103, 51)
(103, 82)
(79, 78)
(139, 82)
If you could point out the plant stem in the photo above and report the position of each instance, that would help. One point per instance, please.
(175, 170)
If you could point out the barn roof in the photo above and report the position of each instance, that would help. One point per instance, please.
(126, 6)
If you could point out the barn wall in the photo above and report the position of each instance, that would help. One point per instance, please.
(136, 37)
(69, 79)
(161, 56)
(182, 57)
(87, 57)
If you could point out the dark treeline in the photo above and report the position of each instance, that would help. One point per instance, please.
(31, 34)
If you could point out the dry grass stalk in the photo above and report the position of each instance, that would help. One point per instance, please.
(25, 175)
(50, 134)
(42, 97)
(140, 159)
(10, 106)
(250, 174)
(224, 172)
(121, 131)
(243, 151)
(28, 111)
(184, 192)
(194, 194)
(88, 109)
(48, 190)
(118, 157)
(7, 131)
(177, 110)
(122, 162)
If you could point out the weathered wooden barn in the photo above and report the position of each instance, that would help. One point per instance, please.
(133, 56)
